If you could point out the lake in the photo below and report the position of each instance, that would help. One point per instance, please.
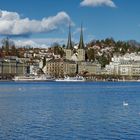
(69, 111)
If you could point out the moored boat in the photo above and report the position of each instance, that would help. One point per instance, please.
(71, 79)
(33, 78)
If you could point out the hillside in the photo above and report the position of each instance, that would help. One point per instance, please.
(103, 50)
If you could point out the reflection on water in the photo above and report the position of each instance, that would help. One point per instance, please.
(69, 110)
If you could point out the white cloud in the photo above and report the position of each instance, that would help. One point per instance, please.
(12, 24)
(50, 41)
(78, 30)
(94, 3)
(39, 42)
(25, 43)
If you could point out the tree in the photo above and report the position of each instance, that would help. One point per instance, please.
(58, 50)
(8, 47)
(44, 62)
(13, 50)
(103, 60)
(90, 54)
(5, 44)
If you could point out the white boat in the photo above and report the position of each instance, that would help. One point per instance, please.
(125, 103)
(71, 79)
(33, 78)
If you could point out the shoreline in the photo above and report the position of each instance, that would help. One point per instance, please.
(72, 81)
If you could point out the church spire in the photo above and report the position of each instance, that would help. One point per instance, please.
(81, 43)
(69, 43)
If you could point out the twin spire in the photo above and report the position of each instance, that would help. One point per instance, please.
(69, 44)
(81, 42)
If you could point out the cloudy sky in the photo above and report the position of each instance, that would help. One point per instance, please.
(42, 22)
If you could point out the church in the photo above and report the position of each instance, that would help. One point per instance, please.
(72, 53)
(78, 55)
(74, 61)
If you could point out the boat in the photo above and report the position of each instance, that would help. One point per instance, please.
(125, 103)
(33, 78)
(71, 79)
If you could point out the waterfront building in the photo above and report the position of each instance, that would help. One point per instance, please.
(127, 65)
(60, 67)
(11, 67)
(34, 68)
(136, 68)
(91, 68)
(125, 68)
(130, 68)
(112, 68)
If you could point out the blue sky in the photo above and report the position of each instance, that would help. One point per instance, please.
(46, 21)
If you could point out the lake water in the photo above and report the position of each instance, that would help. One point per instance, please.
(70, 111)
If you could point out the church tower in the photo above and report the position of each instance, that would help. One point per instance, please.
(81, 47)
(69, 48)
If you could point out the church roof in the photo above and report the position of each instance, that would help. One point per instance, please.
(69, 43)
(81, 42)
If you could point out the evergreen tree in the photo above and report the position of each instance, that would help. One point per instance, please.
(90, 54)
(44, 62)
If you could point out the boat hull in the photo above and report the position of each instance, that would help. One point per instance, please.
(32, 79)
(71, 79)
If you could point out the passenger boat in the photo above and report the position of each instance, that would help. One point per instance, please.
(71, 79)
(33, 78)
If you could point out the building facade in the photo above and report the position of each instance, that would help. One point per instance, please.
(60, 67)
(89, 67)
(127, 65)
(12, 67)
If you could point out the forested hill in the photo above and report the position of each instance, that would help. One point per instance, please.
(103, 50)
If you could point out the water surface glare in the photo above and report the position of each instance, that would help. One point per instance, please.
(69, 111)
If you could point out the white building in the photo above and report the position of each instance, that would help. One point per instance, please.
(128, 65)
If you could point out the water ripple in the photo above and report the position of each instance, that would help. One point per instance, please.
(69, 111)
